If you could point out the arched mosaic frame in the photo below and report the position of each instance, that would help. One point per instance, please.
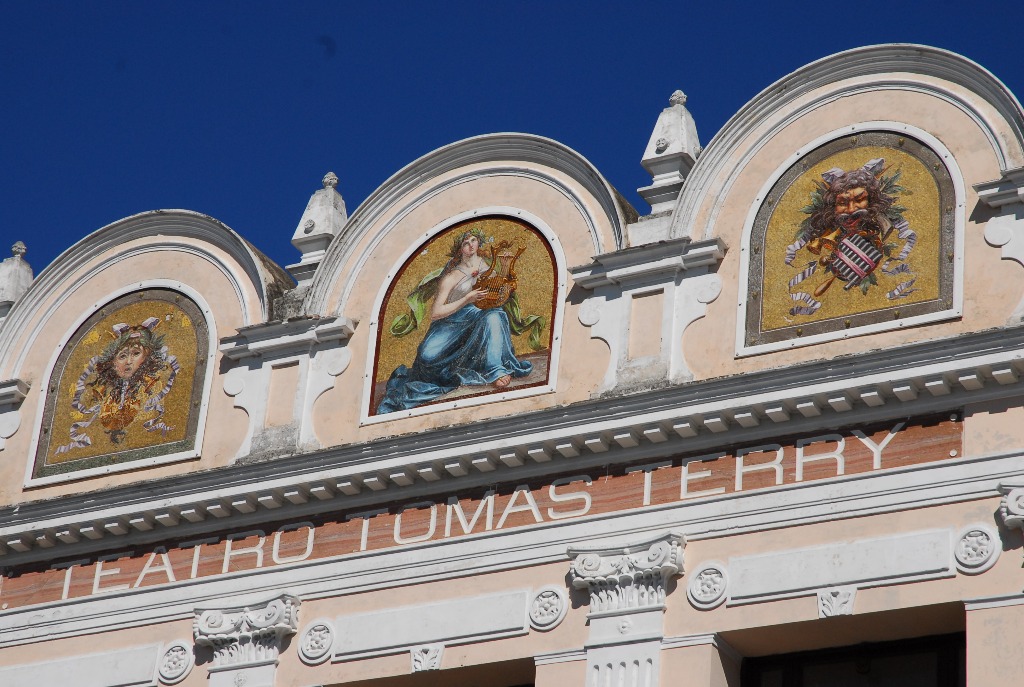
(780, 270)
(164, 417)
(380, 367)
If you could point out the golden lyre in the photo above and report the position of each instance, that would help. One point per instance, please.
(499, 279)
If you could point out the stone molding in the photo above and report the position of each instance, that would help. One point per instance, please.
(427, 657)
(976, 549)
(708, 587)
(317, 642)
(628, 578)
(175, 663)
(1011, 507)
(548, 608)
(491, 149)
(846, 73)
(165, 230)
(1006, 190)
(249, 635)
(974, 368)
(836, 601)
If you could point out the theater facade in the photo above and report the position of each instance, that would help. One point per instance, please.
(496, 428)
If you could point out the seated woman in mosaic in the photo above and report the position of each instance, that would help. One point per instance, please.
(465, 345)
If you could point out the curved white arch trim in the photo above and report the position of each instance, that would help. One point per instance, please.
(58, 279)
(72, 286)
(211, 326)
(502, 149)
(419, 200)
(958, 242)
(874, 61)
(556, 326)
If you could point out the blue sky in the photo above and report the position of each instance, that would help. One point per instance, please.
(237, 109)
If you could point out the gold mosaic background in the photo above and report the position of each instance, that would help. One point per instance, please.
(922, 203)
(534, 269)
(180, 338)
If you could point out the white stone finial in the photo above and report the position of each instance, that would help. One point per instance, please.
(15, 278)
(322, 220)
(670, 154)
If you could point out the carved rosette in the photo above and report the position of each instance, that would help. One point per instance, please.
(317, 642)
(248, 635)
(976, 549)
(548, 607)
(175, 663)
(707, 586)
(628, 578)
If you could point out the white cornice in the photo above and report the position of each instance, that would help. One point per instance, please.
(12, 391)
(881, 62)
(664, 257)
(284, 336)
(1005, 190)
(502, 148)
(915, 380)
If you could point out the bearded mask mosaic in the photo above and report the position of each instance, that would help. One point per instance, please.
(859, 232)
(127, 386)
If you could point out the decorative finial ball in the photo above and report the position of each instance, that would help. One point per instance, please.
(18, 249)
(678, 98)
(330, 180)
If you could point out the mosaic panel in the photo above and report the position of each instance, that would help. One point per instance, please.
(860, 231)
(469, 314)
(127, 386)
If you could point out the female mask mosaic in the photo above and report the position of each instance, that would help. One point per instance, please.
(122, 382)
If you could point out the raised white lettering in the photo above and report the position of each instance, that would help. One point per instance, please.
(648, 470)
(101, 573)
(876, 449)
(687, 475)
(276, 548)
(366, 515)
(231, 552)
(531, 505)
(775, 464)
(837, 454)
(399, 539)
(574, 496)
(486, 506)
(164, 567)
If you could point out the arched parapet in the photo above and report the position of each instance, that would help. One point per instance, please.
(253, 279)
(527, 200)
(201, 281)
(493, 156)
(948, 79)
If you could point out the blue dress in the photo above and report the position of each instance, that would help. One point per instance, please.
(469, 347)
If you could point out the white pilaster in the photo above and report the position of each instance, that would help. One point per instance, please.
(627, 588)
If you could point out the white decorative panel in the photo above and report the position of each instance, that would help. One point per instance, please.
(121, 668)
(397, 629)
(803, 571)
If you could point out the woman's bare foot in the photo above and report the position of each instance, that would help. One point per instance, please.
(502, 382)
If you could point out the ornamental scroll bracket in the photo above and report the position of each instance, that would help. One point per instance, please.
(244, 637)
(629, 578)
(1011, 508)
